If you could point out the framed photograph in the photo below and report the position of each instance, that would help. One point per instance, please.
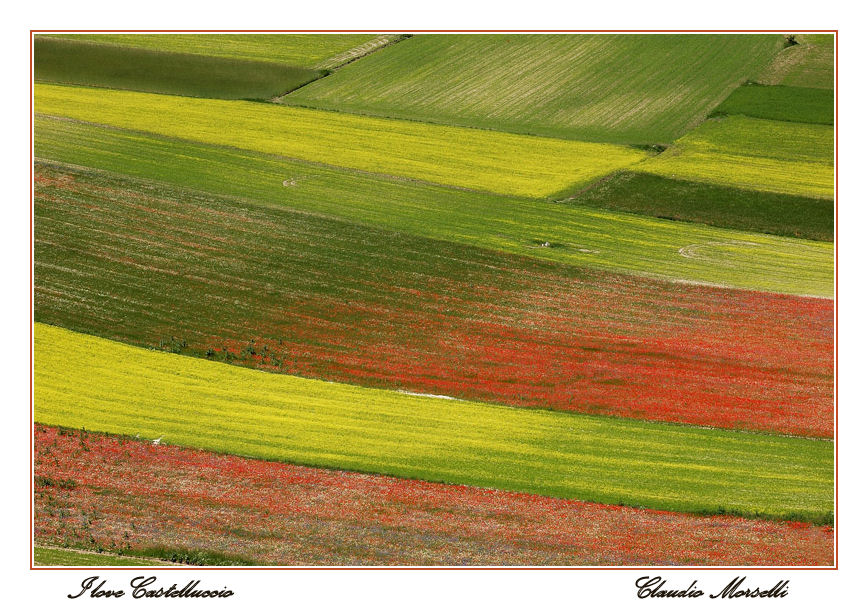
(368, 300)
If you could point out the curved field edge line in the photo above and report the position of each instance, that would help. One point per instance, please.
(602, 239)
(84, 381)
(280, 514)
(144, 263)
(487, 160)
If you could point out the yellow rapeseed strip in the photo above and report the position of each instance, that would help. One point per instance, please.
(98, 384)
(750, 153)
(464, 157)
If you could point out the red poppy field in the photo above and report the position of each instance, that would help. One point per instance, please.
(473, 260)
(238, 284)
(118, 494)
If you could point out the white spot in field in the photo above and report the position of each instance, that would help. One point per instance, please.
(428, 395)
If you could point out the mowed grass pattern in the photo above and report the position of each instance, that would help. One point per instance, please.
(765, 155)
(577, 235)
(304, 50)
(622, 89)
(463, 157)
(83, 381)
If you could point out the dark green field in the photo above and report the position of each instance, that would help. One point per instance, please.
(788, 103)
(744, 209)
(111, 66)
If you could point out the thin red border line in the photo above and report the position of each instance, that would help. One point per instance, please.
(581, 568)
(481, 31)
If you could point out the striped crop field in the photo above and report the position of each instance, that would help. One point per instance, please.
(620, 89)
(579, 236)
(84, 381)
(133, 496)
(462, 157)
(106, 65)
(766, 155)
(302, 50)
(433, 300)
(157, 266)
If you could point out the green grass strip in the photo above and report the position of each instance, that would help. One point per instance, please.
(49, 555)
(87, 382)
(750, 153)
(788, 103)
(463, 157)
(577, 235)
(109, 66)
(729, 207)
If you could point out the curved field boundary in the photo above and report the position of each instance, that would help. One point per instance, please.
(158, 266)
(138, 496)
(463, 157)
(578, 236)
(84, 381)
(303, 50)
(608, 88)
(810, 63)
(765, 155)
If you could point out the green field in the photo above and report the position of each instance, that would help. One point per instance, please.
(303, 50)
(620, 89)
(744, 209)
(749, 153)
(788, 103)
(110, 66)
(84, 381)
(579, 236)
(462, 157)
(50, 555)
(810, 63)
